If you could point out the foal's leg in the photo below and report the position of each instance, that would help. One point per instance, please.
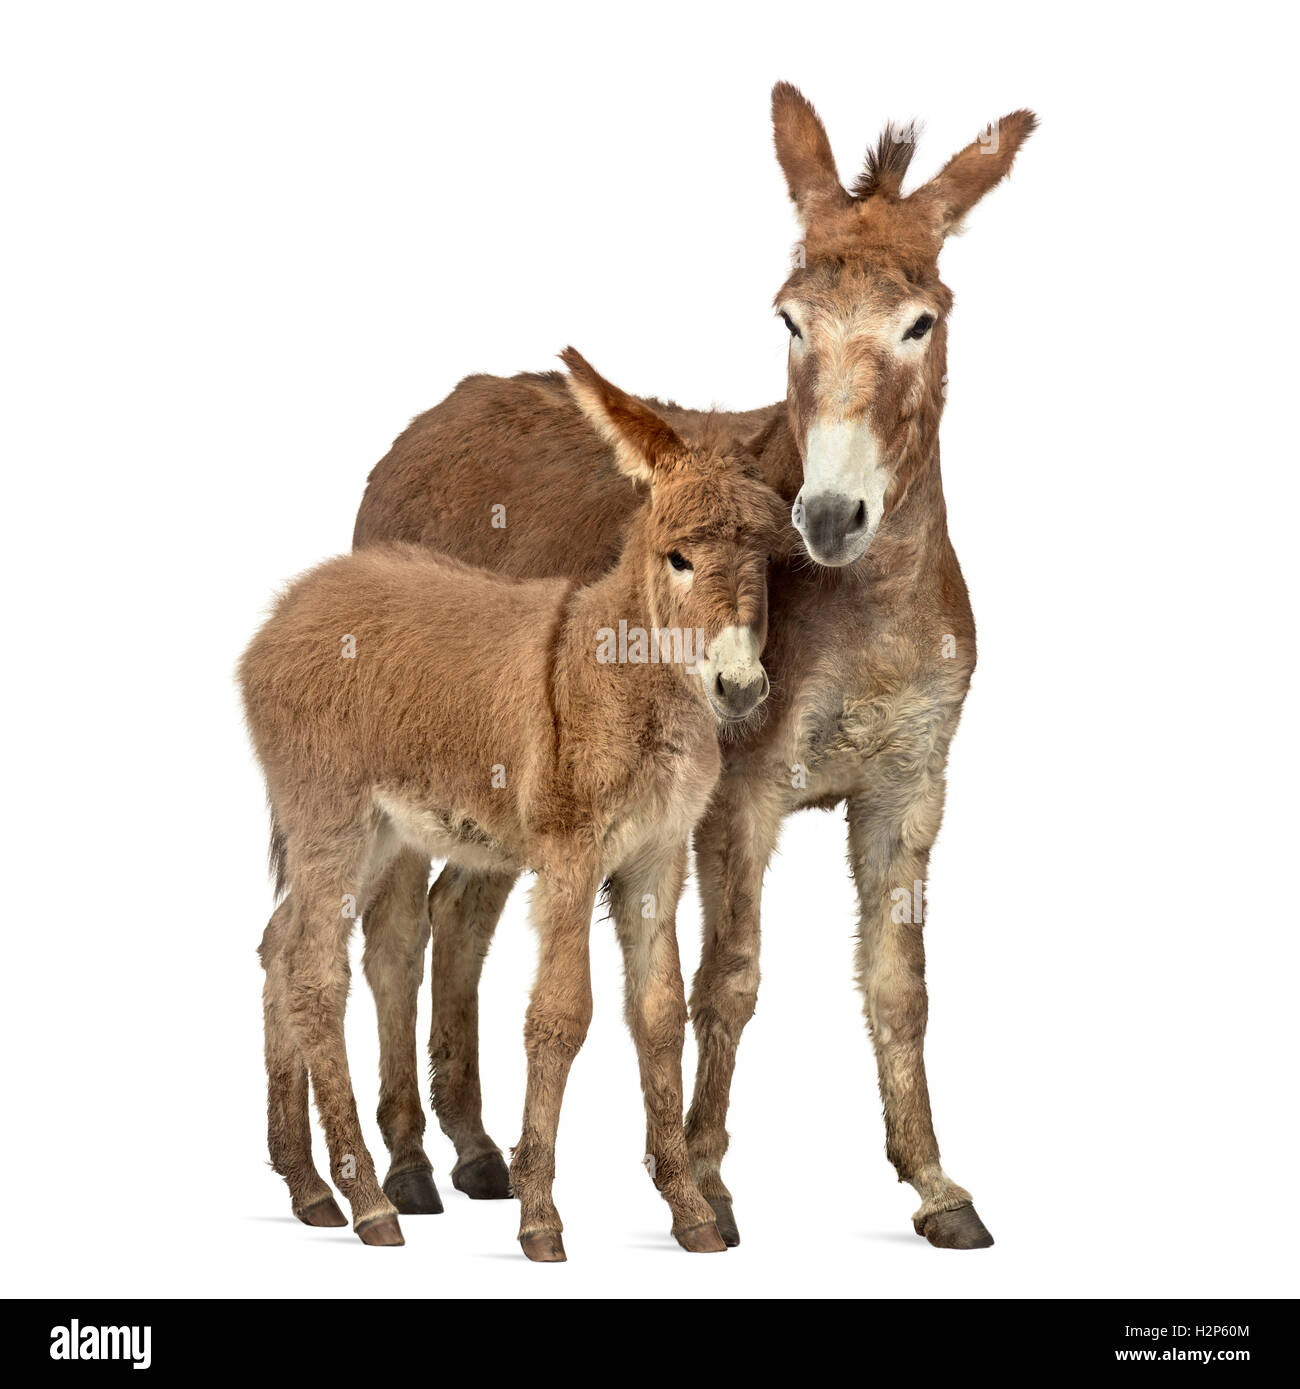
(889, 847)
(643, 904)
(464, 908)
(556, 1026)
(396, 923)
(732, 846)
(288, 1122)
(315, 989)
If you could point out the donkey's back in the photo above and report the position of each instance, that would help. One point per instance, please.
(507, 473)
(395, 667)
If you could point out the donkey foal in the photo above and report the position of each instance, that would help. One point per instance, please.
(405, 706)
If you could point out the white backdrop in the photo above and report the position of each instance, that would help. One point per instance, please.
(246, 243)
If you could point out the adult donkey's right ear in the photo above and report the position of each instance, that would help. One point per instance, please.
(804, 153)
(641, 441)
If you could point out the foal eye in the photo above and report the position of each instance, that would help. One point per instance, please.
(789, 323)
(679, 561)
(920, 328)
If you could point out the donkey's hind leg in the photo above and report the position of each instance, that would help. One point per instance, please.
(288, 1121)
(464, 908)
(396, 924)
(315, 991)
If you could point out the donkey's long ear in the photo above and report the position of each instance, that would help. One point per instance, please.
(804, 153)
(967, 176)
(642, 442)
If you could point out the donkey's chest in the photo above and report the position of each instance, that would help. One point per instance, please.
(665, 800)
(879, 733)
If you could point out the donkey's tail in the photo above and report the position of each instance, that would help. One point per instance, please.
(277, 856)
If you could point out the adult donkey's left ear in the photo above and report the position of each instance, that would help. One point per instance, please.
(968, 175)
(804, 153)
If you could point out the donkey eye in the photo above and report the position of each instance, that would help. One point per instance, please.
(789, 323)
(679, 561)
(920, 328)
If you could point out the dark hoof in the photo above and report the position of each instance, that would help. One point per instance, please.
(485, 1178)
(323, 1213)
(726, 1221)
(413, 1192)
(381, 1230)
(959, 1229)
(545, 1247)
(701, 1239)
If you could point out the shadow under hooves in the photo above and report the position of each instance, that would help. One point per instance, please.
(957, 1229)
(324, 1214)
(721, 1207)
(413, 1192)
(486, 1178)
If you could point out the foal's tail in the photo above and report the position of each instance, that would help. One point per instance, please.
(273, 936)
(276, 856)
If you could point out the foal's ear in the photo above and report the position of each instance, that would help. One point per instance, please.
(968, 175)
(642, 442)
(804, 154)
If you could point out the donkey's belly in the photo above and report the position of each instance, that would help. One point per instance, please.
(447, 835)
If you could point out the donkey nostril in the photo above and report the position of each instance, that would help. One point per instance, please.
(735, 693)
(860, 516)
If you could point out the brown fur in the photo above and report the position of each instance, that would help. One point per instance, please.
(474, 722)
(869, 662)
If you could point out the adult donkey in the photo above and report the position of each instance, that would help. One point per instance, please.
(870, 652)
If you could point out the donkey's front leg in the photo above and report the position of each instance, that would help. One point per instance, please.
(556, 1026)
(464, 908)
(889, 848)
(643, 903)
(396, 923)
(732, 846)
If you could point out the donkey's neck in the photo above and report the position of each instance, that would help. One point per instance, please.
(911, 546)
(618, 596)
(778, 455)
(606, 640)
